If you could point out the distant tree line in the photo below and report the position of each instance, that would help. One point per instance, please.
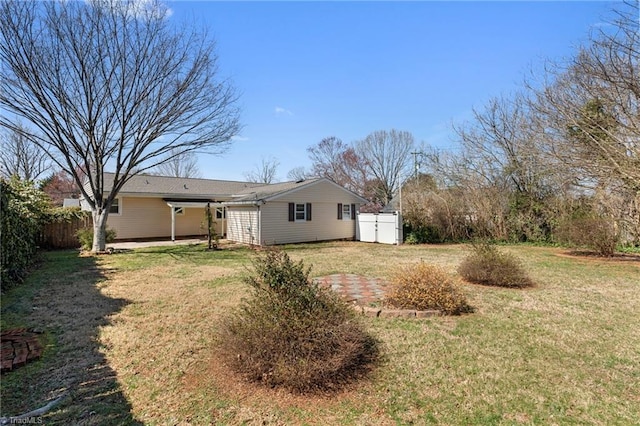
(558, 161)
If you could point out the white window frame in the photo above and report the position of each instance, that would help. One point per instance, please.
(296, 212)
(118, 205)
(346, 212)
(221, 213)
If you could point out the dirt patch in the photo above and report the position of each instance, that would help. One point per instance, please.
(256, 403)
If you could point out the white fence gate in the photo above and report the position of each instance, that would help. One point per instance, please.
(383, 228)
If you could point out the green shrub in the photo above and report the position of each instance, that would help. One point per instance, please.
(488, 265)
(424, 287)
(23, 207)
(85, 236)
(291, 333)
(595, 233)
(421, 235)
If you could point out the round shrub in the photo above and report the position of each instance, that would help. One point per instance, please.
(294, 334)
(489, 266)
(424, 287)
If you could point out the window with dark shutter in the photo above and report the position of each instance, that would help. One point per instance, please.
(292, 212)
(339, 211)
(308, 211)
(353, 212)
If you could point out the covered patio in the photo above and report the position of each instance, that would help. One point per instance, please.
(178, 207)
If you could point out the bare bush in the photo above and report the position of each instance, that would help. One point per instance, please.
(596, 233)
(294, 334)
(424, 287)
(489, 266)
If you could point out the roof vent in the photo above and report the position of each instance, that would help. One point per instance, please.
(300, 181)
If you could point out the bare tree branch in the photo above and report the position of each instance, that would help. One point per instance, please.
(298, 173)
(109, 84)
(179, 164)
(591, 106)
(265, 172)
(386, 155)
(20, 157)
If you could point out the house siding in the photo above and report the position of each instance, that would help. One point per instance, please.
(142, 217)
(275, 227)
(242, 224)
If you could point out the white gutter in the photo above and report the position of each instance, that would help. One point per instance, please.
(243, 203)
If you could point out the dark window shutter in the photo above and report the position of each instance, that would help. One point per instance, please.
(308, 211)
(353, 212)
(339, 211)
(292, 212)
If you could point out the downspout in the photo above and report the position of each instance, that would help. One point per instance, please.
(259, 223)
(173, 223)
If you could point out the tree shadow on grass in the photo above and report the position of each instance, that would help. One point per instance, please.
(63, 300)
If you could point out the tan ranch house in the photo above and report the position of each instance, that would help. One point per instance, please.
(151, 207)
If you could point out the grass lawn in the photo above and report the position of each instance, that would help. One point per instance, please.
(130, 340)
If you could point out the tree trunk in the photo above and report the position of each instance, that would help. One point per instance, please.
(99, 231)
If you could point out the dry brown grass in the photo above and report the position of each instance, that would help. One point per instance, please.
(166, 330)
(562, 352)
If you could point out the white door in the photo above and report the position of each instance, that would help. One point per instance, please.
(389, 228)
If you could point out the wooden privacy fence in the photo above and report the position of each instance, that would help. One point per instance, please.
(61, 235)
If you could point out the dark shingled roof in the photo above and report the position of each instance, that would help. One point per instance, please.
(185, 189)
(270, 190)
(174, 187)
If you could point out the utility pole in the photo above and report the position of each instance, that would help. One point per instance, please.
(415, 164)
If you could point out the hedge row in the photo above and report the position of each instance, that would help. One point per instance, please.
(25, 209)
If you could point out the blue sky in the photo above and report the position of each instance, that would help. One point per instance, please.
(309, 70)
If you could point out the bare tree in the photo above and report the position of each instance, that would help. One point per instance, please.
(265, 172)
(335, 160)
(182, 164)
(502, 147)
(298, 173)
(20, 157)
(109, 84)
(591, 106)
(387, 156)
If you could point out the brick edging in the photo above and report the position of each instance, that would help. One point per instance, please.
(395, 313)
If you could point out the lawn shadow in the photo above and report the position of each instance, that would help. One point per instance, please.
(63, 300)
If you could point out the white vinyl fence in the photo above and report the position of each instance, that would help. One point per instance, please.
(385, 228)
